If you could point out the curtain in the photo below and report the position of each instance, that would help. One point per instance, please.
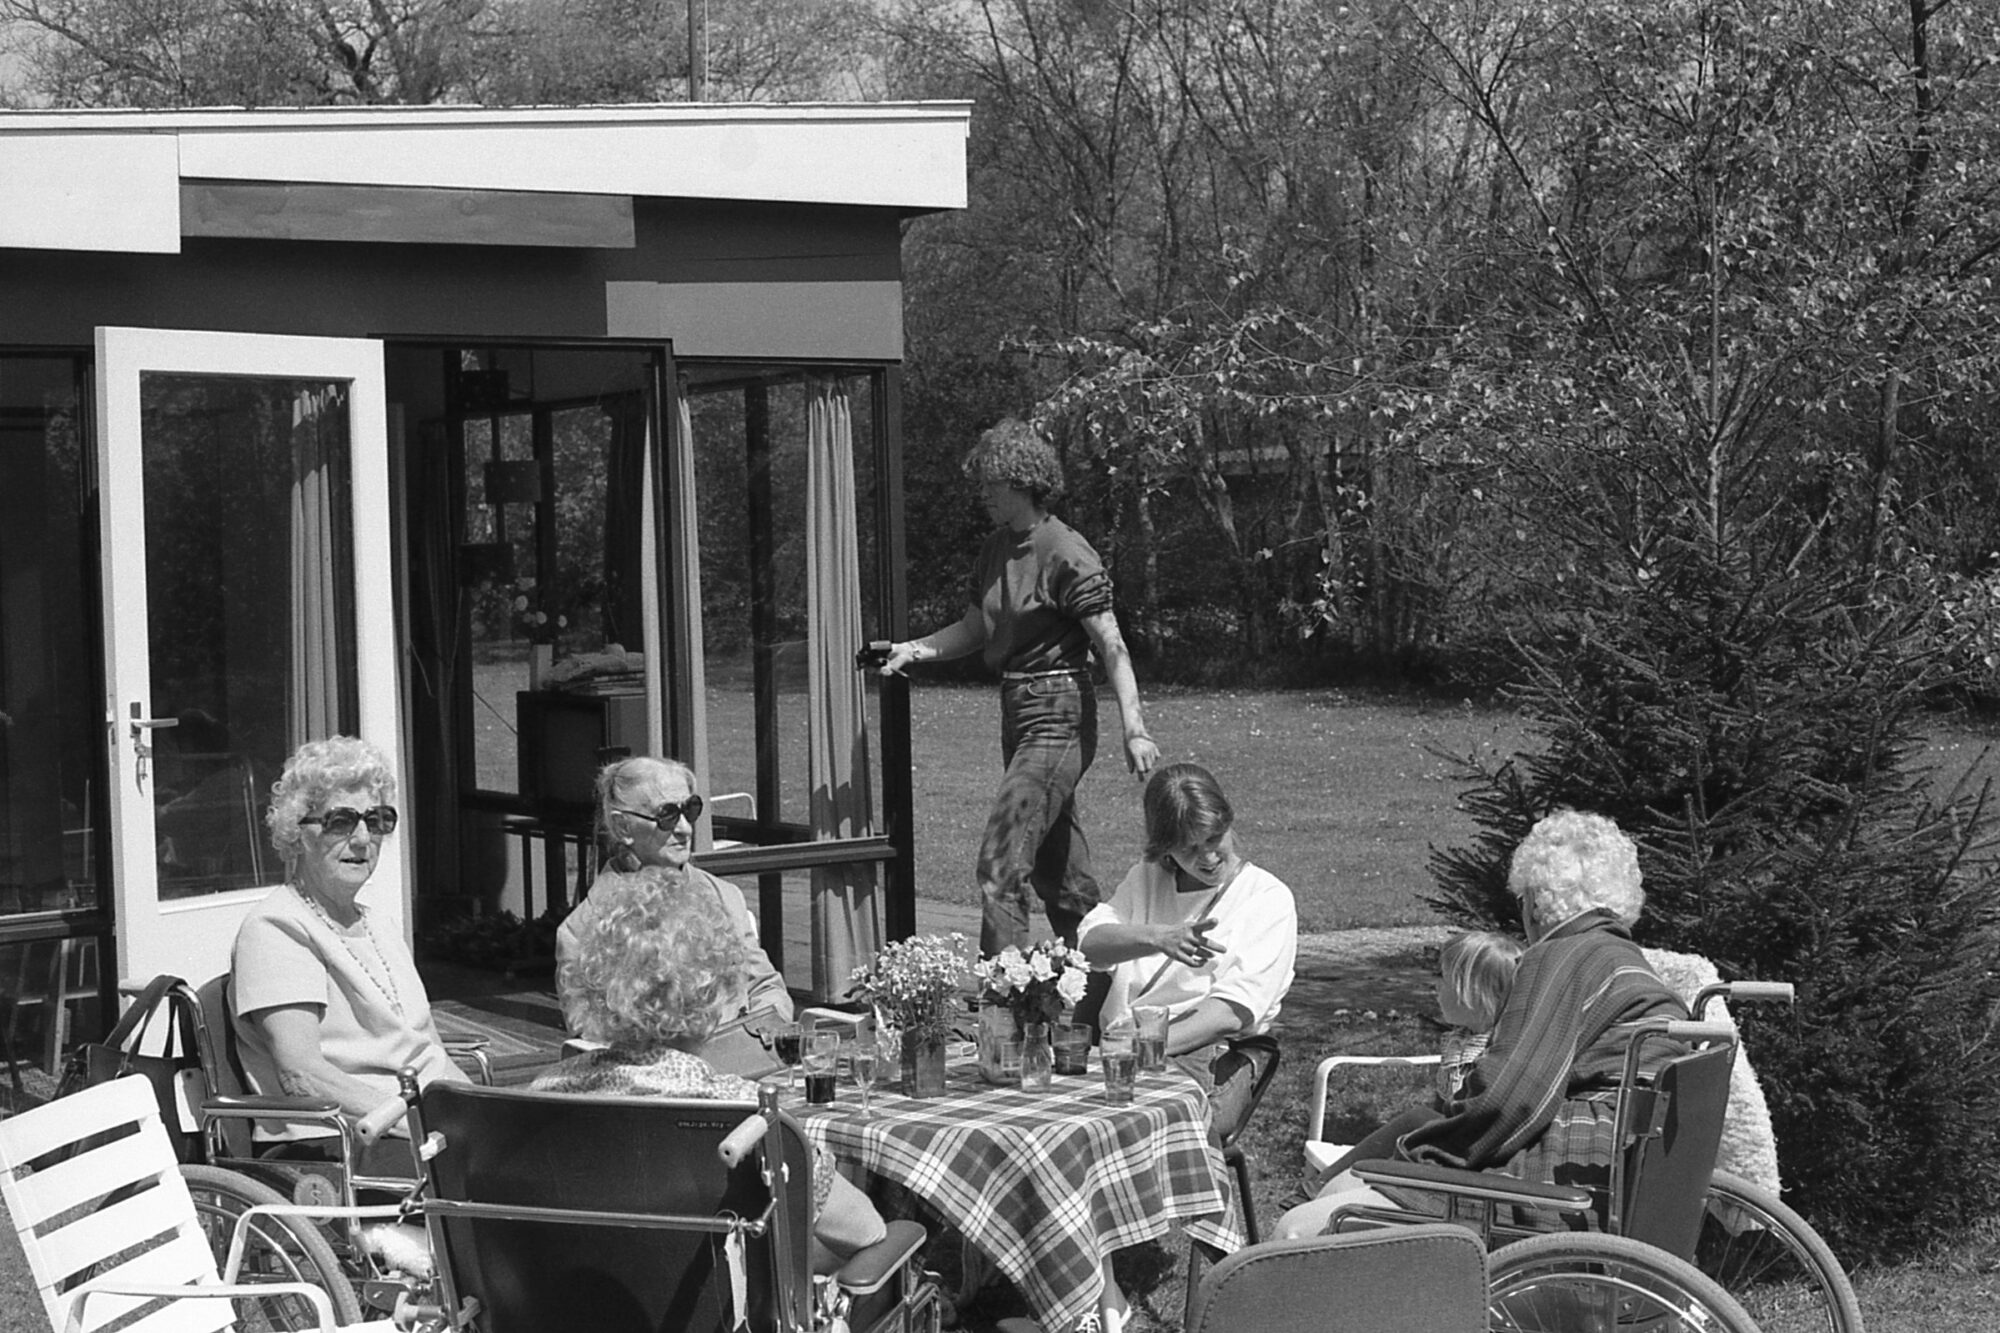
(683, 528)
(320, 569)
(435, 529)
(846, 909)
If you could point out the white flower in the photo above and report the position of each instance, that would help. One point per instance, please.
(1040, 967)
(1070, 986)
(1018, 971)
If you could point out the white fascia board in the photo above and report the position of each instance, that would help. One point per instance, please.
(106, 191)
(893, 155)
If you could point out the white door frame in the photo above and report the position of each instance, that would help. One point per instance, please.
(191, 938)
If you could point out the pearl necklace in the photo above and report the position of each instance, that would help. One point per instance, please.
(386, 983)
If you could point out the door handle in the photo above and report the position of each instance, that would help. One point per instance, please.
(141, 751)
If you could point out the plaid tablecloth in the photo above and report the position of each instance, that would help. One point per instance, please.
(1045, 1183)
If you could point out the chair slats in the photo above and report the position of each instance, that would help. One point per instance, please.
(92, 1239)
(132, 1160)
(44, 1129)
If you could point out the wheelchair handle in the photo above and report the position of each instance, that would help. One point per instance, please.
(1747, 992)
(1696, 1030)
(381, 1120)
(736, 1145)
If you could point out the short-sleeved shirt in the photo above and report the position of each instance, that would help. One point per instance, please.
(1256, 932)
(1033, 591)
(287, 954)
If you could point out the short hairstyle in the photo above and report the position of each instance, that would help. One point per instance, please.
(653, 964)
(1572, 862)
(1015, 454)
(622, 782)
(1478, 969)
(316, 771)
(1184, 807)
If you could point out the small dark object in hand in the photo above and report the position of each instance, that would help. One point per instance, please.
(873, 657)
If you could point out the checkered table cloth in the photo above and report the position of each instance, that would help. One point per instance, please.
(1045, 1183)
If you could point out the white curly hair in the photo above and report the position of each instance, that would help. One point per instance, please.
(1572, 862)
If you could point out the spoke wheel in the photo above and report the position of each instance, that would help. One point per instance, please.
(1773, 1262)
(1587, 1283)
(277, 1250)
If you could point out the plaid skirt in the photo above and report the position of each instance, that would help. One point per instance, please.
(1576, 1150)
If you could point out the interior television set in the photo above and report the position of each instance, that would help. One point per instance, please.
(562, 737)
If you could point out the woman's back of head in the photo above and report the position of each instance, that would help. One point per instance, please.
(656, 963)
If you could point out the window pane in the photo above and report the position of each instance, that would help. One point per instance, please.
(250, 607)
(51, 724)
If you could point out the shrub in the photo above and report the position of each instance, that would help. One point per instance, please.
(1757, 735)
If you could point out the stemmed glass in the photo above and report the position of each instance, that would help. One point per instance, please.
(862, 1060)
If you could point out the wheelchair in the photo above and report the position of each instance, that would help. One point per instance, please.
(368, 1267)
(596, 1214)
(1734, 1236)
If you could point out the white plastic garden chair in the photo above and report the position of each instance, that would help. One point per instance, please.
(94, 1191)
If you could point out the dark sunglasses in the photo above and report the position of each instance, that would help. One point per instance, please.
(670, 813)
(339, 822)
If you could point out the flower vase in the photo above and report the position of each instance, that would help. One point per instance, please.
(923, 1066)
(1038, 1058)
(999, 1045)
(541, 659)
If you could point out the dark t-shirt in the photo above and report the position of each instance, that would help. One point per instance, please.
(1033, 591)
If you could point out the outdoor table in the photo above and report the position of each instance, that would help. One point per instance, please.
(1045, 1184)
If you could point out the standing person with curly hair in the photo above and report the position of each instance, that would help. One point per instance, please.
(1042, 603)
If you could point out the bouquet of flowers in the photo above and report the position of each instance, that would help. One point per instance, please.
(913, 985)
(1036, 985)
(532, 620)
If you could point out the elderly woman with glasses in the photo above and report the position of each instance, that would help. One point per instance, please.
(646, 975)
(646, 809)
(326, 1005)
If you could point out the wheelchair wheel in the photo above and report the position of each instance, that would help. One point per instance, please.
(277, 1250)
(1570, 1282)
(1773, 1262)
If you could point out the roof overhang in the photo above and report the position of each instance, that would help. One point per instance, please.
(113, 180)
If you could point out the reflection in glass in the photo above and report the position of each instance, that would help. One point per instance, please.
(52, 825)
(249, 570)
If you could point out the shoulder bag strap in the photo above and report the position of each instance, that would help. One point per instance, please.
(1135, 996)
(141, 1011)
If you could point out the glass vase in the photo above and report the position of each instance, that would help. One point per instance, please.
(1038, 1058)
(923, 1066)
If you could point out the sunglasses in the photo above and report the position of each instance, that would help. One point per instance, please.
(670, 813)
(339, 822)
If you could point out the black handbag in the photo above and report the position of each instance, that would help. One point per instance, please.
(119, 1054)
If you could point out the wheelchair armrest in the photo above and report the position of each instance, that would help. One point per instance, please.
(871, 1268)
(325, 1110)
(1485, 1186)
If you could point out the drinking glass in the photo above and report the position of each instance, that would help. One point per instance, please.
(788, 1044)
(862, 1061)
(1151, 1021)
(1072, 1048)
(821, 1054)
(1121, 1068)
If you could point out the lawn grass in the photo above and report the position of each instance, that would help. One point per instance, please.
(1338, 794)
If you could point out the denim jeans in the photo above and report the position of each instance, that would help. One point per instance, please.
(1034, 842)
